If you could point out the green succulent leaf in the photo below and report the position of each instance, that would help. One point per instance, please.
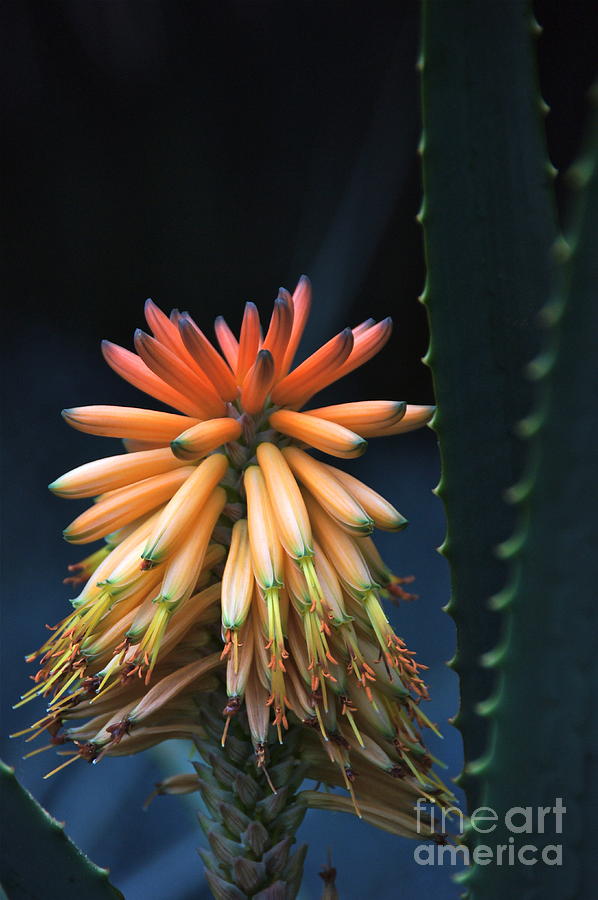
(489, 229)
(37, 859)
(547, 664)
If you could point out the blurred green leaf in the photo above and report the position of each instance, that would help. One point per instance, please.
(37, 859)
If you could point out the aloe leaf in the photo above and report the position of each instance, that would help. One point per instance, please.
(547, 662)
(37, 859)
(489, 228)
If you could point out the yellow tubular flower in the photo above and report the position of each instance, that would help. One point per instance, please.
(237, 589)
(114, 472)
(320, 481)
(235, 562)
(237, 670)
(237, 581)
(184, 507)
(266, 551)
(382, 513)
(290, 516)
(115, 510)
(342, 551)
(182, 571)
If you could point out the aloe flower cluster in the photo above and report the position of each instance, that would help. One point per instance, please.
(235, 564)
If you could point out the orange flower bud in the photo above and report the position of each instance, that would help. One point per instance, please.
(203, 438)
(326, 436)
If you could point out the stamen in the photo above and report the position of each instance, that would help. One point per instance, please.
(38, 750)
(63, 765)
(260, 761)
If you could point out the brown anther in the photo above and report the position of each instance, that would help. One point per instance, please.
(437, 792)
(396, 591)
(260, 755)
(71, 700)
(233, 705)
(400, 746)
(118, 730)
(87, 751)
(260, 761)
(311, 723)
(350, 773)
(440, 838)
(347, 705)
(73, 579)
(53, 727)
(146, 564)
(128, 671)
(328, 873)
(338, 738)
(398, 771)
(91, 685)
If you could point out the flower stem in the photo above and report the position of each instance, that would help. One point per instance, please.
(250, 828)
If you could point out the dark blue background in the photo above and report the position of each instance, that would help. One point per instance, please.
(204, 154)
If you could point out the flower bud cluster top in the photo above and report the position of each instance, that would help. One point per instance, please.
(217, 522)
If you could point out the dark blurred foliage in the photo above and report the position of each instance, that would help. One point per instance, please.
(203, 154)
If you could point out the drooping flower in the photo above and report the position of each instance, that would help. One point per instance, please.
(220, 527)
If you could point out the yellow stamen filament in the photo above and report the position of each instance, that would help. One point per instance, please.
(62, 766)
